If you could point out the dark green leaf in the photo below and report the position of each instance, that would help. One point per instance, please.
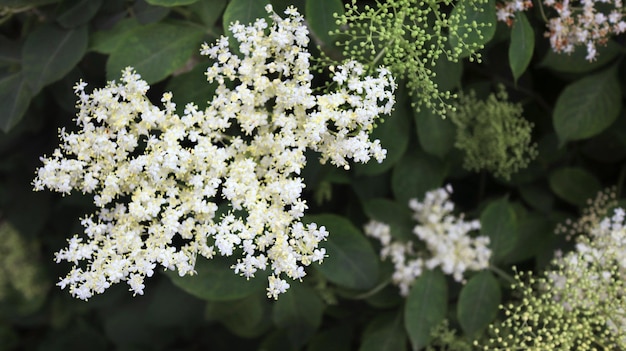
(338, 338)
(78, 12)
(79, 336)
(610, 145)
(425, 307)
(574, 185)
(499, 223)
(384, 333)
(15, 96)
(209, 11)
(414, 175)
(171, 307)
(576, 62)
(369, 187)
(10, 52)
(50, 52)
(107, 41)
(25, 3)
(216, 281)
(320, 17)
(588, 106)
(532, 229)
(484, 15)
(155, 51)
(247, 318)
(387, 297)
(478, 303)
(170, 3)
(397, 216)
(522, 45)
(193, 87)
(537, 196)
(299, 312)
(277, 340)
(447, 74)
(351, 261)
(435, 134)
(244, 11)
(146, 13)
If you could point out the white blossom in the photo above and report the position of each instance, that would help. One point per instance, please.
(157, 177)
(446, 237)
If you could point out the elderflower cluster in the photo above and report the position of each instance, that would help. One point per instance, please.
(446, 236)
(492, 134)
(157, 178)
(580, 304)
(585, 23)
(505, 11)
(411, 37)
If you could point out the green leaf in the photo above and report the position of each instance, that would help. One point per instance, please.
(478, 303)
(15, 96)
(77, 13)
(498, 221)
(397, 216)
(484, 15)
(574, 185)
(162, 313)
(338, 338)
(610, 145)
(107, 41)
(216, 281)
(538, 197)
(320, 16)
(25, 3)
(299, 312)
(50, 52)
(146, 13)
(244, 11)
(170, 3)
(576, 62)
(394, 135)
(384, 333)
(10, 52)
(155, 51)
(435, 134)
(193, 87)
(522, 45)
(209, 11)
(414, 175)
(532, 229)
(425, 307)
(447, 74)
(351, 261)
(247, 318)
(588, 106)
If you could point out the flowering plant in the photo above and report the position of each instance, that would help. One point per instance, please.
(278, 175)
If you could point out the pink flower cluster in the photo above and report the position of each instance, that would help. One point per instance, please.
(578, 23)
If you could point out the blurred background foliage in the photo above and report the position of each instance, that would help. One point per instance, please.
(574, 107)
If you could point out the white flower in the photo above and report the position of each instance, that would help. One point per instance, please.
(446, 237)
(159, 178)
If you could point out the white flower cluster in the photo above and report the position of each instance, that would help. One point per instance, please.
(579, 23)
(594, 273)
(446, 237)
(505, 11)
(157, 178)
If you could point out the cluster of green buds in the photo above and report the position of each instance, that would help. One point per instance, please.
(410, 37)
(493, 134)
